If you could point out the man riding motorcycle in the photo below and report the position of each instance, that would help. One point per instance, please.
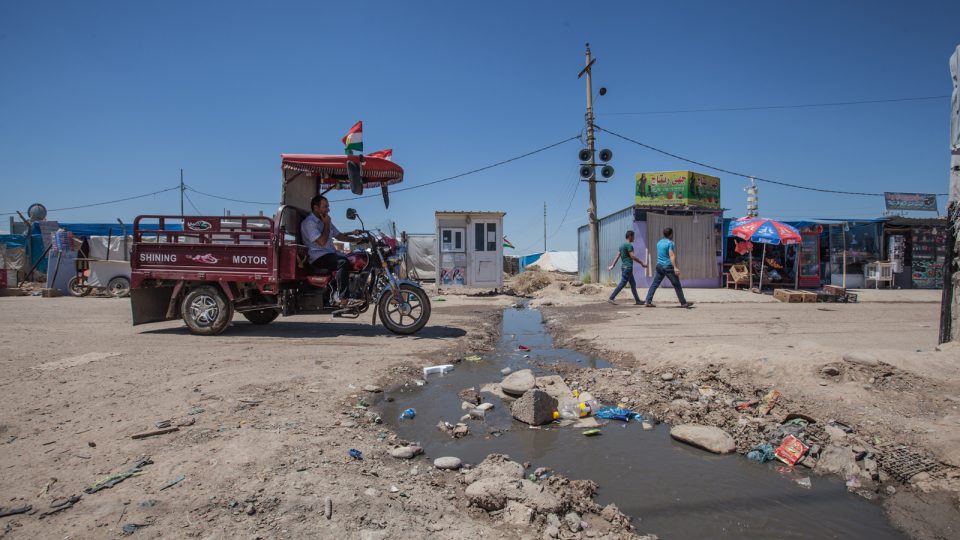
(318, 232)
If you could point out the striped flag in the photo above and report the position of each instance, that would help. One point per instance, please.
(354, 139)
(507, 244)
(382, 154)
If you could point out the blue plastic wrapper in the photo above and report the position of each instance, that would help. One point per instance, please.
(408, 413)
(761, 453)
(356, 454)
(618, 413)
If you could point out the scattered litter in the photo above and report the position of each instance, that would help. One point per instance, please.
(114, 479)
(162, 424)
(131, 528)
(804, 482)
(591, 432)
(853, 481)
(523, 348)
(146, 434)
(328, 507)
(473, 358)
(356, 454)
(840, 425)
(791, 450)
(362, 403)
(761, 453)
(445, 368)
(744, 404)
(173, 482)
(60, 505)
(618, 413)
(526, 356)
(4, 512)
(706, 391)
(408, 414)
(769, 402)
(46, 487)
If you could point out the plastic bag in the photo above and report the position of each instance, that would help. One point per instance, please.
(618, 413)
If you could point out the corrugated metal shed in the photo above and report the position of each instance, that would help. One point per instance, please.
(612, 230)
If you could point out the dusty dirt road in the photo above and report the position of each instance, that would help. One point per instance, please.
(270, 419)
(873, 365)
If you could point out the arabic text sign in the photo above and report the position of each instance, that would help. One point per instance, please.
(918, 202)
(677, 188)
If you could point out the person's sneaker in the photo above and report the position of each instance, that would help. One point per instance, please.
(650, 304)
(639, 303)
(688, 305)
(610, 301)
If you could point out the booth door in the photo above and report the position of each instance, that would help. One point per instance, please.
(484, 267)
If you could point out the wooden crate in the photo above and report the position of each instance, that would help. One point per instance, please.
(835, 290)
(790, 296)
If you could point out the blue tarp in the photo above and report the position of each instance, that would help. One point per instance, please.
(13, 240)
(84, 230)
(526, 260)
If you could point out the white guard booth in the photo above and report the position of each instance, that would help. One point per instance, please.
(469, 246)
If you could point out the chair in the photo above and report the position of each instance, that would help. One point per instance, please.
(878, 272)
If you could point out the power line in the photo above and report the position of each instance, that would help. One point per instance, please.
(757, 178)
(105, 202)
(461, 175)
(418, 186)
(211, 195)
(197, 210)
(770, 107)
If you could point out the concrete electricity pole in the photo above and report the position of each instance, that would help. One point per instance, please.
(591, 146)
(950, 303)
(544, 226)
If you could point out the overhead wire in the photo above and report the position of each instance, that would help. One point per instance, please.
(418, 186)
(770, 107)
(734, 173)
(104, 202)
(197, 210)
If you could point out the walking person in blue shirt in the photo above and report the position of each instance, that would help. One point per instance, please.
(626, 257)
(667, 268)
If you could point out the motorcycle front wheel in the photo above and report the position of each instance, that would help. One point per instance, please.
(408, 314)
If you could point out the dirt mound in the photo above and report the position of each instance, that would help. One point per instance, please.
(531, 281)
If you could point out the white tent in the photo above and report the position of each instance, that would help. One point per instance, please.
(557, 261)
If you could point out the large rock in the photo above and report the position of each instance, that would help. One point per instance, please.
(447, 463)
(556, 387)
(712, 439)
(535, 407)
(835, 459)
(406, 452)
(862, 358)
(494, 493)
(495, 466)
(516, 383)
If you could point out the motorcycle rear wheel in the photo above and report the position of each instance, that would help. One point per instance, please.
(408, 315)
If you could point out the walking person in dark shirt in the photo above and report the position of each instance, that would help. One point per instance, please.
(667, 268)
(626, 257)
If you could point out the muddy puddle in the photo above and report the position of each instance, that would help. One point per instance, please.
(668, 488)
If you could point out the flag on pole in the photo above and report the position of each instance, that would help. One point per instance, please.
(382, 154)
(354, 139)
(507, 244)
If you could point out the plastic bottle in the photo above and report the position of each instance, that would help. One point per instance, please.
(570, 411)
(586, 408)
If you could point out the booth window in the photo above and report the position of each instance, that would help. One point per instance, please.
(484, 236)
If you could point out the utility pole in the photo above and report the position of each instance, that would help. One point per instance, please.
(591, 146)
(544, 226)
(949, 308)
(181, 193)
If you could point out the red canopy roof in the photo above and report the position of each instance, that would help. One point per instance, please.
(331, 170)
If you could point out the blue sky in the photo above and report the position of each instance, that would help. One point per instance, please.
(104, 100)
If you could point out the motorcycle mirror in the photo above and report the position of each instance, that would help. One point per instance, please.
(386, 196)
(356, 177)
(351, 213)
